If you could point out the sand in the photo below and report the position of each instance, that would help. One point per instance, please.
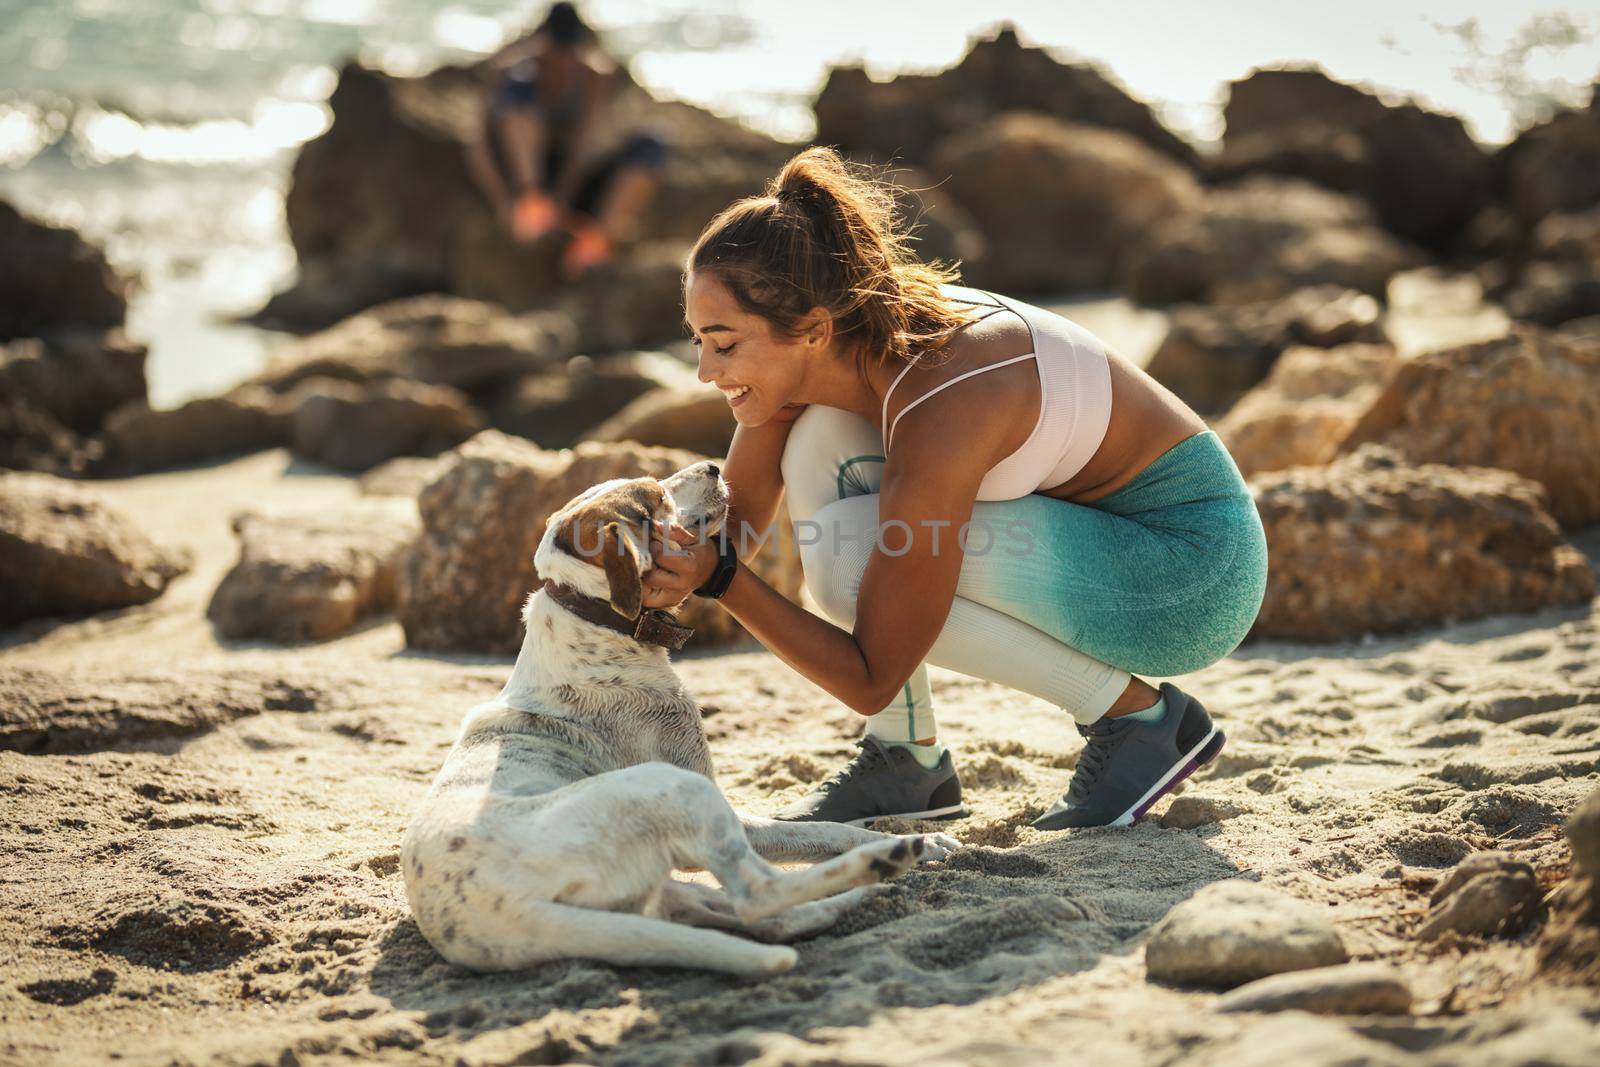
(220, 885)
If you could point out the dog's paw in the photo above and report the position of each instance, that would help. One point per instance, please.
(938, 846)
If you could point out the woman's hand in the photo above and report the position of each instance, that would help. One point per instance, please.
(682, 565)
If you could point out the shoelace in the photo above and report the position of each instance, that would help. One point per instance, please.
(871, 755)
(1097, 746)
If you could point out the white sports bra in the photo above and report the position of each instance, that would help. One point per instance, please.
(1074, 402)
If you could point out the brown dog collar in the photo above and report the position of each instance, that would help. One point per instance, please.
(653, 626)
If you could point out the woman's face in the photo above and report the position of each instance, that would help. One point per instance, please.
(757, 368)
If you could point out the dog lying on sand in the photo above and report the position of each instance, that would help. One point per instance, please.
(556, 823)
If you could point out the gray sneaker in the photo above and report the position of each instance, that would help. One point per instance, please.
(1127, 765)
(881, 781)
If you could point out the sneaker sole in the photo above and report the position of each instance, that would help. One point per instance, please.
(1197, 757)
(932, 815)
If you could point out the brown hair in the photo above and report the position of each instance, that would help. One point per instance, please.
(828, 234)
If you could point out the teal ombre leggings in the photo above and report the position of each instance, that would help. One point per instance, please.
(1061, 600)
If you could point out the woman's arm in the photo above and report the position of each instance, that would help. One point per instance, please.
(930, 486)
(755, 482)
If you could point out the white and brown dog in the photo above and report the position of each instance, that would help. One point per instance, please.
(555, 826)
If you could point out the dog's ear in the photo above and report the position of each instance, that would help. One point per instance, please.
(621, 561)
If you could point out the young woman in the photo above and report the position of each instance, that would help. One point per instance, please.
(1107, 533)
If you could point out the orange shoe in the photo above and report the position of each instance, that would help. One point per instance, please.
(533, 216)
(588, 248)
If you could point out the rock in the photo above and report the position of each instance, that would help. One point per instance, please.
(435, 340)
(359, 426)
(1262, 238)
(1372, 544)
(556, 408)
(1188, 813)
(1528, 402)
(1552, 293)
(381, 205)
(1348, 989)
(311, 577)
(1488, 894)
(1583, 834)
(137, 439)
(1584, 331)
(1422, 171)
(1553, 166)
(1212, 356)
(1234, 932)
(1569, 946)
(402, 476)
(1306, 406)
(65, 552)
(463, 581)
(47, 712)
(56, 391)
(1059, 201)
(34, 440)
(78, 376)
(637, 303)
(907, 116)
(50, 277)
(694, 417)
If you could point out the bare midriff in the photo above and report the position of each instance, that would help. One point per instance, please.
(1146, 421)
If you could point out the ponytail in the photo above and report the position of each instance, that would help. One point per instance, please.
(828, 234)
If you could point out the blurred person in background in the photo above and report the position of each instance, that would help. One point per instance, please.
(548, 104)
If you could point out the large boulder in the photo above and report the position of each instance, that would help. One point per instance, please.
(558, 407)
(907, 116)
(50, 277)
(1306, 406)
(1234, 932)
(1260, 238)
(696, 418)
(1372, 544)
(310, 577)
(1213, 355)
(1058, 201)
(63, 551)
(355, 427)
(381, 204)
(137, 438)
(1528, 402)
(1421, 170)
(436, 340)
(1553, 166)
(463, 581)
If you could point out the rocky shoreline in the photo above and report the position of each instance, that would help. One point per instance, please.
(240, 632)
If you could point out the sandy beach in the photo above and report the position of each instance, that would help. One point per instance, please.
(203, 853)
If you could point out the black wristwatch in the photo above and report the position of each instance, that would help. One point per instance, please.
(722, 576)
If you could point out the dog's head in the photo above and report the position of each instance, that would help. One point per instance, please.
(599, 543)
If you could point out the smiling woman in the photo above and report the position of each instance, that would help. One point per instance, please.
(1057, 522)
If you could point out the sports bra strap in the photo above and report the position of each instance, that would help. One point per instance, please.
(888, 436)
(883, 427)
